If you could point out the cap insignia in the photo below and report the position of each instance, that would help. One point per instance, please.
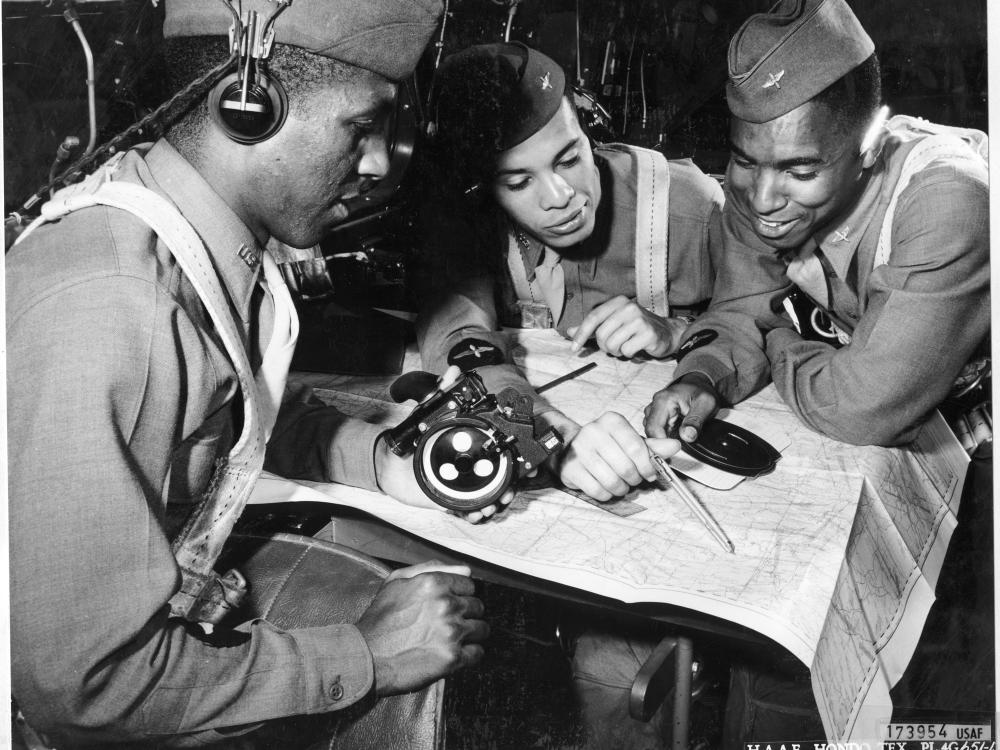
(773, 80)
(545, 82)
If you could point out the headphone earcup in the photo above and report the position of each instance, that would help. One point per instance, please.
(256, 119)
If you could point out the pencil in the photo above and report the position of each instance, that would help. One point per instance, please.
(568, 376)
(669, 477)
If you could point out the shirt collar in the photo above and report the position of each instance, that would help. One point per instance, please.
(531, 250)
(232, 246)
(839, 242)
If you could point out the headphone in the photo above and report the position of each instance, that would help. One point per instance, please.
(249, 105)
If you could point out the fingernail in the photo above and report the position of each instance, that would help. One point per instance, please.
(690, 434)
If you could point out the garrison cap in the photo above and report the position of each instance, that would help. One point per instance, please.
(539, 85)
(781, 59)
(384, 36)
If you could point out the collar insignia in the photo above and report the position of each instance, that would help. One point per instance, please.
(773, 80)
(248, 255)
(545, 82)
(841, 235)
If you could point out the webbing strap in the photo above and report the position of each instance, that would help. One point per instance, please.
(652, 219)
(203, 596)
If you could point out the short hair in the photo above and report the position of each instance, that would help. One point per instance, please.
(854, 97)
(189, 58)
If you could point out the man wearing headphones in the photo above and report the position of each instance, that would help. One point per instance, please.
(137, 339)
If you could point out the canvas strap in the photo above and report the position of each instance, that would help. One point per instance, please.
(205, 596)
(652, 218)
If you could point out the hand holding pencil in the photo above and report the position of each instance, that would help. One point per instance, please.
(667, 479)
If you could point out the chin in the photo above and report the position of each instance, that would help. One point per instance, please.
(299, 240)
(569, 240)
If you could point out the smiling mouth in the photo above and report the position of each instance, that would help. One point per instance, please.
(773, 229)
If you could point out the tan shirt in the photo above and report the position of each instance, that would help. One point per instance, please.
(915, 321)
(599, 268)
(120, 399)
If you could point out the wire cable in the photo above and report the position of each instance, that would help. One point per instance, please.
(193, 89)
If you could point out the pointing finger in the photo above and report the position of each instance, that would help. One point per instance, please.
(591, 322)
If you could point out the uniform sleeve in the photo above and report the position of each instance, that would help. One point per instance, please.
(99, 395)
(749, 277)
(468, 311)
(928, 309)
(314, 441)
(695, 235)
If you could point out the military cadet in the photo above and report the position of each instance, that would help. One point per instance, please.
(881, 228)
(542, 229)
(136, 328)
(855, 274)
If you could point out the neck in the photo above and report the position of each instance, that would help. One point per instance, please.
(224, 165)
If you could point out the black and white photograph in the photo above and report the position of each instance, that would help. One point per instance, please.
(497, 375)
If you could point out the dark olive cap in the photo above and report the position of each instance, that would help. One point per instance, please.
(781, 59)
(384, 36)
(537, 87)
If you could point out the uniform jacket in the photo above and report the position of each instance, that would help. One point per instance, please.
(601, 267)
(120, 399)
(915, 320)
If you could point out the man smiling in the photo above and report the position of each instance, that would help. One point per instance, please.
(881, 228)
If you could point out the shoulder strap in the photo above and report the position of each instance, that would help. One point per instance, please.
(934, 142)
(203, 596)
(652, 226)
